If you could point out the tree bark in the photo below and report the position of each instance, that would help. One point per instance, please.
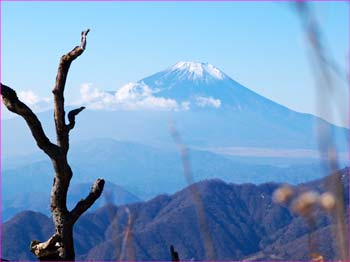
(61, 245)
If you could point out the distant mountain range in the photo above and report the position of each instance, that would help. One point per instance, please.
(242, 220)
(28, 196)
(139, 170)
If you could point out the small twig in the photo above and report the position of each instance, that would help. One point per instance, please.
(83, 38)
(198, 203)
(71, 117)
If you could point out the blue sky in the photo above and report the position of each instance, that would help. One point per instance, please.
(260, 45)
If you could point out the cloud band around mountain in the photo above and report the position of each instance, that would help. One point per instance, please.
(132, 96)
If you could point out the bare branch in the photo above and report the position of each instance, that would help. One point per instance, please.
(85, 204)
(71, 117)
(63, 68)
(127, 251)
(11, 101)
(83, 38)
(48, 249)
(197, 200)
(324, 67)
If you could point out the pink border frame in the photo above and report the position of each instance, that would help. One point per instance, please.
(348, 1)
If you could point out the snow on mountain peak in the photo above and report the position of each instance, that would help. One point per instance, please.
(196, 70)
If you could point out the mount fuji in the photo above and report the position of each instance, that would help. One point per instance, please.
(213, 110)
(208, 108)
(203, 85)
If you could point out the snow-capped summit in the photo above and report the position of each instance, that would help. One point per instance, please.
(196, 70)
(200, 84)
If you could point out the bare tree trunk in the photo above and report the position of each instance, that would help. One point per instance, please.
(61, 245)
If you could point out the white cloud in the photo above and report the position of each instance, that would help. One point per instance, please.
(132, 96)
(185, 105)
(35, 102)
(203, 101)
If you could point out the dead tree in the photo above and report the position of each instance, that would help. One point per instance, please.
(60, 246)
